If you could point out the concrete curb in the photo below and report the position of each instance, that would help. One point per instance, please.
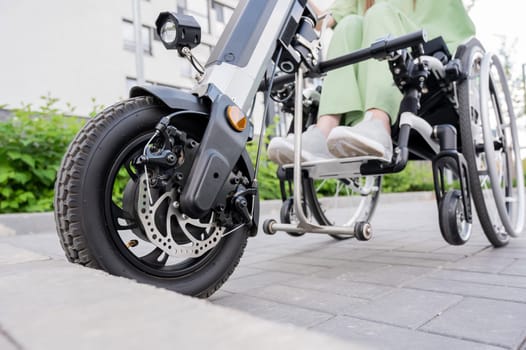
(79, 308)
(30, 223)
(26, 223)
(272, 206)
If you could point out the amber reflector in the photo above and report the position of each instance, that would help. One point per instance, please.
(236, 118)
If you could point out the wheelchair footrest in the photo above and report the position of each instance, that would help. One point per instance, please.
(335, 167)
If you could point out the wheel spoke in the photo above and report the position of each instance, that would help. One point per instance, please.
(130, 172)
(128, 165)
(358, 195)
(119, 213)
(485, 182)
(155, 257)
(320, 185)
(338, 189)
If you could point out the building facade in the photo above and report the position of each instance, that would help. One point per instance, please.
(83, 52)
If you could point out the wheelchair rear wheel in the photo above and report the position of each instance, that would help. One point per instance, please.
(342, 202)
(490, 145)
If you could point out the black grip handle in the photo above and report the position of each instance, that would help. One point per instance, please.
(407, 40)
(382, 47)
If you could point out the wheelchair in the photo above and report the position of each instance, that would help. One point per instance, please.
(456, 112)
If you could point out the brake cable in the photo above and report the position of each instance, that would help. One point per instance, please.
(263, 124)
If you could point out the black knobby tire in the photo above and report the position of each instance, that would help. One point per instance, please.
(89, 237)
(468, 111)
(313, 199)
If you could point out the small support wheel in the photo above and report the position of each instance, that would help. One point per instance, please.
(453, 225)
(267, 226)
(287, 215)
(363, 231)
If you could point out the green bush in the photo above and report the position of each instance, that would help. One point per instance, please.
(417, 176)
(267, 180)
(32, 144)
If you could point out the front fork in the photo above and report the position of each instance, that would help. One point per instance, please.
(210, 185)
(220, 149)
(450, 159)
(233, 74)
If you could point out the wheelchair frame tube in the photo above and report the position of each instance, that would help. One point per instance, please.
(409, 105)
(379, 50)
(422, 127)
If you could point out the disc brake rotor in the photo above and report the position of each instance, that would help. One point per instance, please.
(179, 238)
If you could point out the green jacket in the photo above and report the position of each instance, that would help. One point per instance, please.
(446, 18)
(353, 89)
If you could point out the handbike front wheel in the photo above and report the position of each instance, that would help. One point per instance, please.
(113, 213)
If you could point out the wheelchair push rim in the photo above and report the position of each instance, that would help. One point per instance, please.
(501, 145)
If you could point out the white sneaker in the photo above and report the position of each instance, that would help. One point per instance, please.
(367, 138)
(314, 147)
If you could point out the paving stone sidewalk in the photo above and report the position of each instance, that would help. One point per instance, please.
(404, 289)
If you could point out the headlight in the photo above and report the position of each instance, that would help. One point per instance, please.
(168, 32)
(177, 31)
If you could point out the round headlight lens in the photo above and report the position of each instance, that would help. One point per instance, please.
(169, 32)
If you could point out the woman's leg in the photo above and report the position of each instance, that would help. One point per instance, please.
(374, 78)
(381, 98)
(340, 92)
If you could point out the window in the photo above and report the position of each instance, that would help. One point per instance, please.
(156, 36)
(130, 82)
(128, 34)
(228, 12)
(221, 15)
(185, 68)
(197, 9)
(181, 6)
